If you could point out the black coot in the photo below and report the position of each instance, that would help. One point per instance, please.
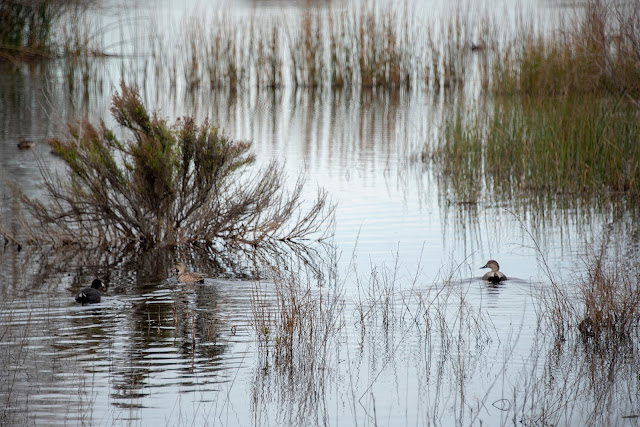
(90, 295)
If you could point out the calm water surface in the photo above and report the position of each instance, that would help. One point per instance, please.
(417, 338)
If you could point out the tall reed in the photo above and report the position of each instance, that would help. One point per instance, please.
(306, 50)
(577, 146)
(610, 299)
(298, 320)
(363, 47)
(596, 51)
(27, 28)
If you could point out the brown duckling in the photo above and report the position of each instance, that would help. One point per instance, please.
(494, 275)
(185, 276)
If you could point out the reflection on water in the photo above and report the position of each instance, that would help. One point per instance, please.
(125, 358)
(411, 351)
(416, 337)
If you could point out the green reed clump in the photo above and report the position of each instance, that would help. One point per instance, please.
(27, 28)
(576, 145)
(458, 156)
(532, 146)
(598, 52)
(179, 184)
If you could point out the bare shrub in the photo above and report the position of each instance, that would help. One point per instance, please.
(167, 185)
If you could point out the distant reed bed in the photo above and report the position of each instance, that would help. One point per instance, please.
(43, 29)
(26, 28)
(366, 46)
(590, 49)
(595, 50)
(573, 127)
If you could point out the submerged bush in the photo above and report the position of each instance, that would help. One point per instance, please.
(167, 185)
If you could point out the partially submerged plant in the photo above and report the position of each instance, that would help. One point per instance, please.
(611, 299)
(167, 185)
(26, 28)
(573, 146)
(596, 52)
(604, 304)
(298, 321)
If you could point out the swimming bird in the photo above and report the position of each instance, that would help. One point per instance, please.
(494, 275)
(90, 295)
(477, 46)
(187, 276)
(24, 144)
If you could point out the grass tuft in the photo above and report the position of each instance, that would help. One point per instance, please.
(584, 147)
(595, 52)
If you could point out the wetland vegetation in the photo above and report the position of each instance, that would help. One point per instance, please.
(530, 136)
(167, 185)
(26, 29)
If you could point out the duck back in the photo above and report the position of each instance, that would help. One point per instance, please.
(90, 295)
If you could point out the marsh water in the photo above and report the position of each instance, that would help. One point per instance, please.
(413, 336)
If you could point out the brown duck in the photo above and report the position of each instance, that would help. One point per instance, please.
(494, 275)
(185, 276)
(24, 144)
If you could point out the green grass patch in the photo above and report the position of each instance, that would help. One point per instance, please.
(586, 146)
(596, 51)
(26, 28)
